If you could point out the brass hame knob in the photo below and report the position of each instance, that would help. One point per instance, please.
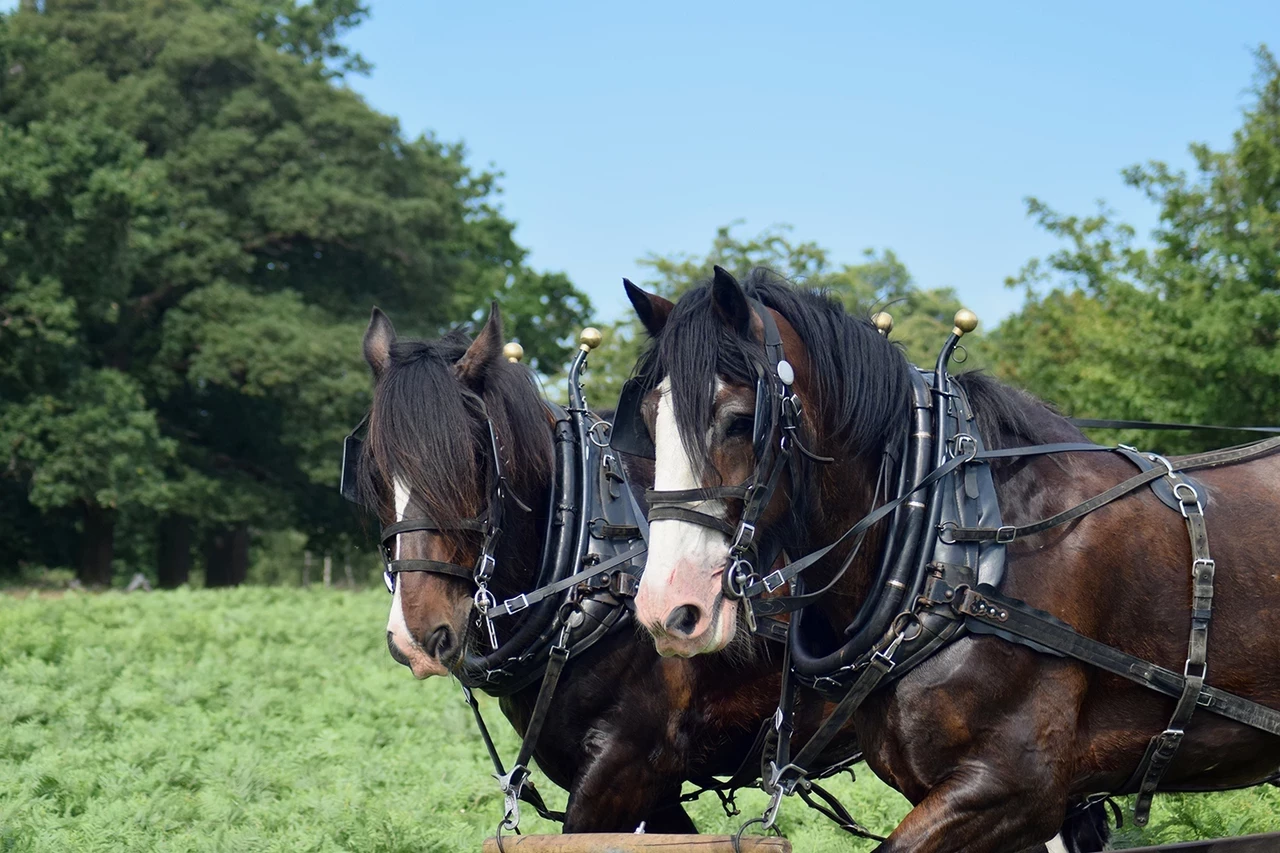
(513, 352)
(590, 338)
(883, 321)
(966, 321)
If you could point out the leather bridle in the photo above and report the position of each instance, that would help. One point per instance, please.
(488, 524)
(776, 406)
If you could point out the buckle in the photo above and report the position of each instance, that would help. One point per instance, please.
(1186, 671)
(515, 605)
(624, 584)
(773, 580)
(484, 568)
(1006, 534)
(745, 536)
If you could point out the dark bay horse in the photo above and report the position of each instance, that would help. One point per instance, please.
(627, 727)
(991, 741)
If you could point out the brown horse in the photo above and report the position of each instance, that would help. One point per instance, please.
(627, 727)
(991, 741)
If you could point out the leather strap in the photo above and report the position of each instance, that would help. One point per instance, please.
(435, 567)
(687, 496)
(1164, 747)
(984, 608)
(691, 516)
(520, 602)
(1095, 423)
(411, 524)
(1213, 459)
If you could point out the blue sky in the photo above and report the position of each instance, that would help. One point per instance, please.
(624, 129)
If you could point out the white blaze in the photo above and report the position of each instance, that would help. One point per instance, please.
(685, 559)
(396, 624)
(1056, 845)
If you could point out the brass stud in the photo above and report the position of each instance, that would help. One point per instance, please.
(966, 321)
(513, 352)
(590, 338)
(883, 321)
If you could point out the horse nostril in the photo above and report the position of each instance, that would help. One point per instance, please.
(683, 620)
(439, 643)
(396, 654)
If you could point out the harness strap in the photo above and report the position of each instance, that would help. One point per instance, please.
(412, 524)
(691, 516)
(520, 602)
(778, 577)
(1213, 459)
(949, 534)
(528, 792)
(984, 609)
(435, 567)
(1095, 423)
(514, 782)
(685, 496)
(1164, 746)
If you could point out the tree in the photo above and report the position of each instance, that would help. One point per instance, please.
(1185, 330)
(195, 218)
(922, 317)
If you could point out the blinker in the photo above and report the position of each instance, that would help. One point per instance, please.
(351, 449)
(629, 435)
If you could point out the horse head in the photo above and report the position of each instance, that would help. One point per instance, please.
(454, 445)
(740, 404)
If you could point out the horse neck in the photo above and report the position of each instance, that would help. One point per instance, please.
(846, 494)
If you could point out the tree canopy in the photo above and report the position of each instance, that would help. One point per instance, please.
(1181, 329)
(196, 215)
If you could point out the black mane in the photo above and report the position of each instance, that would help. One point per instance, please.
(427, 429)
(862, 380)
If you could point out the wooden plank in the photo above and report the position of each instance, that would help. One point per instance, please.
(1268, 843)
(610, 842)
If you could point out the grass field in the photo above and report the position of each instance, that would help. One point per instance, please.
(265, 719)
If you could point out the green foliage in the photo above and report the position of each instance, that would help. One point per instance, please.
(195, 218)
(922, 317)
(1185, 330)
(273, 719)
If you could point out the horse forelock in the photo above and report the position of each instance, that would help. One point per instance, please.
(860, 381)
(427, 431)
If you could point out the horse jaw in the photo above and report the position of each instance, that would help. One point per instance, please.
(412, 655)
(685, 560)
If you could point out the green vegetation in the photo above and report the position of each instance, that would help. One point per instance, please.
(195, 218)
(274, 720)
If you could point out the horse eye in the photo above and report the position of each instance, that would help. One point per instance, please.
(739, 426)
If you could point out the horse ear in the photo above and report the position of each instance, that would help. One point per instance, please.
(651, 308)
(378, 339)
(484, 351)
(730, 300)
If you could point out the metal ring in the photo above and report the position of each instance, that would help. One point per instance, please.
(484, 599)
(905, 620)
(943, 528)
(591, 433)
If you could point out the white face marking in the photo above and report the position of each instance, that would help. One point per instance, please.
(1056, 845)
(685, 560)
(396, 623)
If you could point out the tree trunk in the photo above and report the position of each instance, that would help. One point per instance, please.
(97, 543)
(328, 571)
(173, 558)
(226, 556)
(306, 569)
